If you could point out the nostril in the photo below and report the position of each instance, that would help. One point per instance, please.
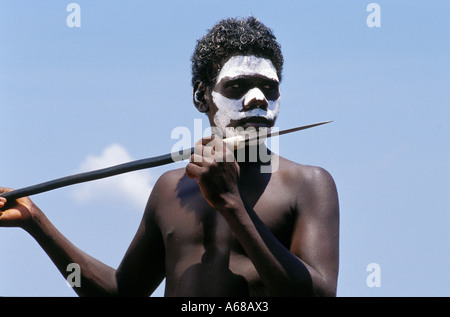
(255, 99)
(256, 104)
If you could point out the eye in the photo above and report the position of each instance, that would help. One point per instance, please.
(235, 86)
(270, 90)
(269, 87)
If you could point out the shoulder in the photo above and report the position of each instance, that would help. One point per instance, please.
(164, 189)
(167, 183)
(170, 177)
(304, 175)
(311, 185)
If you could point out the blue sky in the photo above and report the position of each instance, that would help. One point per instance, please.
(112, 90)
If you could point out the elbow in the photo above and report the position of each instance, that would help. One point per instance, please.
(325, 288)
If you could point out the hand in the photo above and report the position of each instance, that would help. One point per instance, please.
(216, 171)
(17, 213)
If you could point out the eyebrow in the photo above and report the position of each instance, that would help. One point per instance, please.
(250, 77)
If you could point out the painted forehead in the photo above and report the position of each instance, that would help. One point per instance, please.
(248, 65)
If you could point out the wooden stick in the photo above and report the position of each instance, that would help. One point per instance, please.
(98, 174)
(130, 167)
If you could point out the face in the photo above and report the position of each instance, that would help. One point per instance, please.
(246, 94)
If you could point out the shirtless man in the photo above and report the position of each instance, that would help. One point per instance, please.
(219, 227)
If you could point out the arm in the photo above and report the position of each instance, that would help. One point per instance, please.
(299, 270)
(281, 271)
(97, 278)
(143, 266)
(315, 237)
(310, 265)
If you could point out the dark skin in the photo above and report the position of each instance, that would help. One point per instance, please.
(215, 228)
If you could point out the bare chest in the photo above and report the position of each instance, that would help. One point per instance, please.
(190, 220)
(203, 257)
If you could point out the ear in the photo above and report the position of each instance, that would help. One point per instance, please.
(199, 97)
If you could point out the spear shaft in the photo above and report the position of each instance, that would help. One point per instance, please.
(126, 167)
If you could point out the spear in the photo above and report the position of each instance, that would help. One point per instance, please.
(135, 165)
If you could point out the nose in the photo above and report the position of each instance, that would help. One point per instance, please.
(255, 99)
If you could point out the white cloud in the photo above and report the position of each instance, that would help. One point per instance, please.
(133, 187)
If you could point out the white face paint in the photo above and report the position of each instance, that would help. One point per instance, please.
(248, 65)
(232, 109)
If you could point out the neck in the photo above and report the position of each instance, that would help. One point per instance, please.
(253, 155)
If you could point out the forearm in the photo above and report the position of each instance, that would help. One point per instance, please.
(282, 272)
(97, 279)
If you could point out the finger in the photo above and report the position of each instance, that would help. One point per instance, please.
(204, 150)
(220, 149)
(193, 171)
(202, 161)
(198, 149)
(210, 152)
(196, 158)
(3, 200)
(205, 140)
(5, 190)
(208, 140)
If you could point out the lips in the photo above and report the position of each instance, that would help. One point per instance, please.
(256, 122)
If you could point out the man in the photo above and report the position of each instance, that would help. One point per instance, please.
(220, 226)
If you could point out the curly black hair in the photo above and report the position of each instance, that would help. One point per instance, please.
(247, 36)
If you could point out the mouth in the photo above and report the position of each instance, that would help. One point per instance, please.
(255, 122)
